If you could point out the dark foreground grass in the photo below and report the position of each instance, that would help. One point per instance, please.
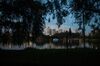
(51, 56)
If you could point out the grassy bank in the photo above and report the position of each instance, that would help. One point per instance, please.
(45, 56)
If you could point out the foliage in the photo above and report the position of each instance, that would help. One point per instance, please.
(88, 8)
(28, 16)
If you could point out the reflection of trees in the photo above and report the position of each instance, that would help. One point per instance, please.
(95, 33)
(6, 38)
(95, 37)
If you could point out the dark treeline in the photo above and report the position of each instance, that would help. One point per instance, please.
(21, 18)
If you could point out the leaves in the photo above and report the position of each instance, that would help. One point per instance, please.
(64, 2)
(65, 13)
(86, 8)
(57, 9)
(24, 16)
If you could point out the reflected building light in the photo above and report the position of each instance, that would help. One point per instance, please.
(73, 47)
(81, 45)
(87, 45)
(47, 46)
(58, 47)
(34, 45)
(9, 46)
(30, 44)
(69, 47)
(91, 46)
(30, 34)
(96, 48)
(25, 45)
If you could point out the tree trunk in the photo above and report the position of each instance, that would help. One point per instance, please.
(83, 30)
(28, 38)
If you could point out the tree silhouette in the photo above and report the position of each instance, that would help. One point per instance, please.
(84, 11)
(31, 13)
(28, 16)
(13, 11)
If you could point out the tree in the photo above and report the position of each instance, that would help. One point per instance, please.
(20, 11)
(31, 13)
(59, 10)
(84, 11)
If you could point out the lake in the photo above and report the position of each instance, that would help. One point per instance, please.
(47, 46)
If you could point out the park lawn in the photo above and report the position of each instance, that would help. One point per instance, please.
(51, 56)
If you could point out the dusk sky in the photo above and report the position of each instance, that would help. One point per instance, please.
(69, 23)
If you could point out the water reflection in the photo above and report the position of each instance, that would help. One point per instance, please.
(12, 47)
(46, 46)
